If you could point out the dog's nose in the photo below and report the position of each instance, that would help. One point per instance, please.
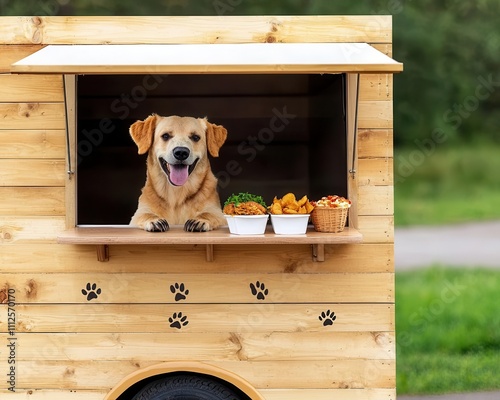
(181, 153)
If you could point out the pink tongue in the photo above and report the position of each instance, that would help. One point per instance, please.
(179, 174)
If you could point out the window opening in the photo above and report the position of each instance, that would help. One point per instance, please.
(286, 133)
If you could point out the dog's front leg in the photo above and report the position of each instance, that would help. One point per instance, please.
(149, 222)
(205, 221)
(196, 225)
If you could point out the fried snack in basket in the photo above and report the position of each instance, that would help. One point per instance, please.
(288, 204)
(332, 202)
(330, 213)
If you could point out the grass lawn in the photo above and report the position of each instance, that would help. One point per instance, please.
(448, 330)
(451, 184)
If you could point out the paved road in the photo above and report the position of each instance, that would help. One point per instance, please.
(469, 245)
(465, 245)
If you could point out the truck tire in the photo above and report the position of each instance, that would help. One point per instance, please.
(187, 387)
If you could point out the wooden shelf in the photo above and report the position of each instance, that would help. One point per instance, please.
(103, 236)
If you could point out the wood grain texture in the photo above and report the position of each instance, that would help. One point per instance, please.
(33, 172)
(32, 116)
(280, 346)
(27, 201)
(375, 172)
(21, 144)
(269, 394)
(375, 143)
(375, 114)
(193, 289)
(377, 229)
(125, 235)
(30, 229)
(10, 53)
(76, 348)
(95, 375)
(376, 87)
(376, 200)
(31, 88)
(61, 394)
(202, 318)
(226, 29)
(232, 259)
(326, 394)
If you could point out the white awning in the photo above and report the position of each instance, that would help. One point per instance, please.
(208, 58)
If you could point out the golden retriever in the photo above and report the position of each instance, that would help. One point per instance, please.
(180, 187)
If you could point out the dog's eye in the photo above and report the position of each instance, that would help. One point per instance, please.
(166, 136)
(195, 137)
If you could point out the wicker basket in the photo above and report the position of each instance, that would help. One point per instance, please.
(326, 219)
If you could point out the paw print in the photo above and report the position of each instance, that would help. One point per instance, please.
(327, 317)
(177, 320)
(259, 290)
(180, 291)
(91, 291)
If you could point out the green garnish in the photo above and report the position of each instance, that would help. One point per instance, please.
(239, 198)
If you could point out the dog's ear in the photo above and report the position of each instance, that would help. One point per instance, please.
(142, 133)
(216, 136)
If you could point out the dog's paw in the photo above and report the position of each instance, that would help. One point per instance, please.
(159, 225)
(195, 225)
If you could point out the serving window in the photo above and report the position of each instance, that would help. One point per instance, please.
(286, 133)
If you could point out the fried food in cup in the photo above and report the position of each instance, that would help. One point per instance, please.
(289, 204)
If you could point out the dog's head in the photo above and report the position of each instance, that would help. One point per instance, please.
(178, 143)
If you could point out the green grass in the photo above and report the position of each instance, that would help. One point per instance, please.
(451, 184)
(448, 330)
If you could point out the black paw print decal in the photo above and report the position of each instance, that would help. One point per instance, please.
(180, 291)
(259, 290)
(177, 320)
(327, 317)
(91, 291)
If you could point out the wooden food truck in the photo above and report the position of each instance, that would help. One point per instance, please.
(94, 309)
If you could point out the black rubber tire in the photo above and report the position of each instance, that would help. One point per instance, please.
(186, 387)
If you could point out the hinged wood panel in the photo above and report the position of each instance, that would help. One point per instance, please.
(208, 58)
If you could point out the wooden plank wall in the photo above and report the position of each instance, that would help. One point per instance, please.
(82, 325)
